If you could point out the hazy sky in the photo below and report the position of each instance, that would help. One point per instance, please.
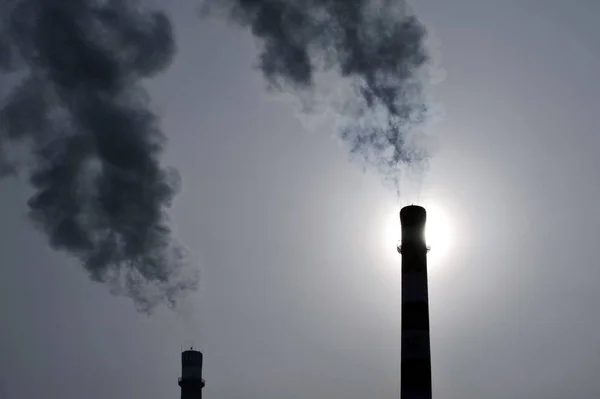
(299, 295)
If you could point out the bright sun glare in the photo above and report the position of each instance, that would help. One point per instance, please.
(438, 234)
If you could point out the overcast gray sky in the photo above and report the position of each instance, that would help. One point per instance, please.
(298, 296)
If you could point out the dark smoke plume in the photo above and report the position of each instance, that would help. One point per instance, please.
(100, 192)
(375, 46)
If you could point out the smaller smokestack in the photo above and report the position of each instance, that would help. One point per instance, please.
(191, 381)
(415, 350)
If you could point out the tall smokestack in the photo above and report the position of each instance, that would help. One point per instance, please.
(415, 350)
(191, 381)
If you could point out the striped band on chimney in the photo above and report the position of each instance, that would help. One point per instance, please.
(415, 350)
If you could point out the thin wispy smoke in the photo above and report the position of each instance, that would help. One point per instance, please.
(375, 46)
(100, 191)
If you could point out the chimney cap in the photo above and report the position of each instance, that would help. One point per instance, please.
(412, 216)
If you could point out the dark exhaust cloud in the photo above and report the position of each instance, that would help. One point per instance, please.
(375, 46)
(79, 106)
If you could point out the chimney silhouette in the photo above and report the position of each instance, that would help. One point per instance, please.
(191, 381)
(415, 365)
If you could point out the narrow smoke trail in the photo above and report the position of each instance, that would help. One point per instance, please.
(101, 193)
(375, 46)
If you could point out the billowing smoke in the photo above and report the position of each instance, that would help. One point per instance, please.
(376, 47)
(79, 106)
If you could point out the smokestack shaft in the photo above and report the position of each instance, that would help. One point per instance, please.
(415, 349)
(191, 381)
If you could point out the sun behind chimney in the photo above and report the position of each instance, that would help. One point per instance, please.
(415, 350)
